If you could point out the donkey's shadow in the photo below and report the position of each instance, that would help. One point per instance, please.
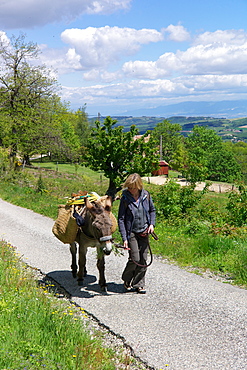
(90, 288)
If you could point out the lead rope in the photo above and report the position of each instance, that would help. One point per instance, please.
(151, 260)
(150, 251)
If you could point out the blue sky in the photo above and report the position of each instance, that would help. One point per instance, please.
(119, 55)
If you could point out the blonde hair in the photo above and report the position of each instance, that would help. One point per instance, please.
(133, 181)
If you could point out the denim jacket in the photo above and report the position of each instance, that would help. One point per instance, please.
(127, 209)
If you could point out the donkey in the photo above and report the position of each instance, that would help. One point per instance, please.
(99, 224)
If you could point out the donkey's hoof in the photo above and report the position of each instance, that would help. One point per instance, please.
(103, 288)
(74, 274)
(80, 282)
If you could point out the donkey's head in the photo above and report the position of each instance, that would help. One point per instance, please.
(102, 222)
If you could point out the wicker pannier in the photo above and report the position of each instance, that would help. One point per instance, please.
(65, 227)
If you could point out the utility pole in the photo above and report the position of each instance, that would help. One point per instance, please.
(161, 148)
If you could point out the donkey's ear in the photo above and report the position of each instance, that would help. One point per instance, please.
(89, 205)
(108, 203)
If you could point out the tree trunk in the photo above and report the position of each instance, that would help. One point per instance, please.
(112, 189)
(26, 159)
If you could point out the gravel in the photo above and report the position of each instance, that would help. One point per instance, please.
(185, 321)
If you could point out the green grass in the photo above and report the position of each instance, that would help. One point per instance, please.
(57, 186)
(37, 330)
(226, 255)
(68, 168)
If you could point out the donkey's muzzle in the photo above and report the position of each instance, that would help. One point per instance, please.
(107, 240)
(107, 248)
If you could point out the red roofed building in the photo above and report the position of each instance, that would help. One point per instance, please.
(163, 169)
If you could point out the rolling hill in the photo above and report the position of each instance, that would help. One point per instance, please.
(228, 129)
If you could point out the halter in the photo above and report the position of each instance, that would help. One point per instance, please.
(105, 238)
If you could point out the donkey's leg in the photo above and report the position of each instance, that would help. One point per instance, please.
(82, 263)
(101, 268)
(73, 250)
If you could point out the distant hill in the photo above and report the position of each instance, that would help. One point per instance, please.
(224, 108)
(228, 129)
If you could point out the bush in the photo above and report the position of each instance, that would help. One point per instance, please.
(4, 162)
(237, 207)
(174, 201)
(40, 185)
(196, 226)
(208, 210)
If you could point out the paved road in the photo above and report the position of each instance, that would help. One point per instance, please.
(184, 321)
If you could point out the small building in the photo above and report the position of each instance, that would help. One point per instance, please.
(162, 170)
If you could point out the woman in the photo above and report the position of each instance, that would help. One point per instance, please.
(136, 220)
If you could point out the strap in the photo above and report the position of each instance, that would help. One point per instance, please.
(105, 238)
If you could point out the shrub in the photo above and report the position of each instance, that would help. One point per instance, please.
(196, 226)
(4, 162)
(40, 185)
(174, 201)
(208, 210)
(237, 207)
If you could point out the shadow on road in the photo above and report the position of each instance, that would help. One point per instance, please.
(89, 289)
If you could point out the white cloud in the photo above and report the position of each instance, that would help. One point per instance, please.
(215, 82)
(177, 33)
(96, 75)
(227, 54)
(129, 90)
(233, 37)
(145, 93)
(215, 59)
(98, 47)
(143, 69)
(214, 68)
(32, 13)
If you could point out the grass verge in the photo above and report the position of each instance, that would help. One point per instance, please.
(39, 331)
(225, 256)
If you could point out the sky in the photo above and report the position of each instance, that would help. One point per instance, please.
(117, 56)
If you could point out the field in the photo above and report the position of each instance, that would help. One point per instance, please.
(228, 129)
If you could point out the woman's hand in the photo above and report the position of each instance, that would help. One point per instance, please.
(125, 244)
(150, 229)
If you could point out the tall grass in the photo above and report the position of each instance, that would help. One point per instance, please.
(224, 255)
(38, 331)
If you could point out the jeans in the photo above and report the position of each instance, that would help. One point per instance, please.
(135, 275)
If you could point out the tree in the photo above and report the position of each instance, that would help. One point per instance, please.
(119, 153)
(239, 150)
(172, 142)
(208, 158)
(25, 91)
(82, 127)
(222, 166)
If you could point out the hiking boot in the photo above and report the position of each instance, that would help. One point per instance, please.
(140, 290)
(127, 286)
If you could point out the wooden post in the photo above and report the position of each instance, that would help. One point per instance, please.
(161, 148)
